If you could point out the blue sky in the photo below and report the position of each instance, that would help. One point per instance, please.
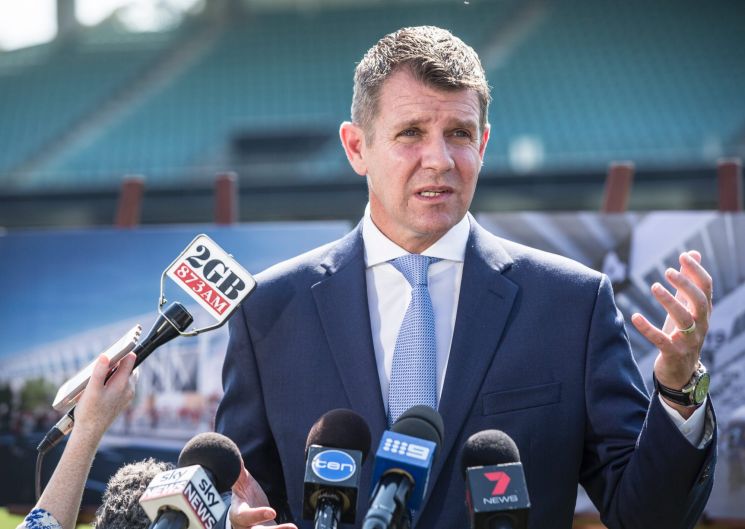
(28, 22)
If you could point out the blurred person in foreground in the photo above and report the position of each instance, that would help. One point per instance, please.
(521, 340)
(97, 408)
(120, 507)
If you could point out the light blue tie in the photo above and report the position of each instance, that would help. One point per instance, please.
(414, 371)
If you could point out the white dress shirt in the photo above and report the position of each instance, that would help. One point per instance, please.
(389, 293)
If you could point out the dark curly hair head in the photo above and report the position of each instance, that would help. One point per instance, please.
(121, 508)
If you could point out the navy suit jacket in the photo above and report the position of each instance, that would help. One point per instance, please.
(539, 351)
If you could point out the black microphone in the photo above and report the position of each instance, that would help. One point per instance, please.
(402, 466)
(335, 450)
(189, 496)
(496, 493)
(168, 325)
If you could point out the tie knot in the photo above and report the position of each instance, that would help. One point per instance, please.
(414, 267)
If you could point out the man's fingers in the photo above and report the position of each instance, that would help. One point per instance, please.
(650, 332)
(242, 483)
(242, 515)
(677, 311)
(690, 266)
(697, 302)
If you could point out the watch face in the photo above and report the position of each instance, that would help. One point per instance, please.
(702, 388)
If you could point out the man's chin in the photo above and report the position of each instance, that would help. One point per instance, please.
(436, 224)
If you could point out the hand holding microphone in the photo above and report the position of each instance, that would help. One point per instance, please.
(204, 271)
(169, 325)
(100, 404)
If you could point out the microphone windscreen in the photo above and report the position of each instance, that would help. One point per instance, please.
(488, 447)
(422, 422)
(216, 453)
(340, 428)
(179, 316)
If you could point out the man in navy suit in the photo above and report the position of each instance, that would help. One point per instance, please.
(525, 342)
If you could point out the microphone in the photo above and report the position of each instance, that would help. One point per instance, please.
(402, 466)
(189, 496)
(168, 325)
(68, 393)
(336, 447)
(496, 493)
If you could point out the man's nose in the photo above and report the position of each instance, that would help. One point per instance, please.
(437, 155)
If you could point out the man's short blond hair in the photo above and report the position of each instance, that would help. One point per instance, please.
(433, 55)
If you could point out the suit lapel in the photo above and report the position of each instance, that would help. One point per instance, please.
(484, 306)
(341, 300)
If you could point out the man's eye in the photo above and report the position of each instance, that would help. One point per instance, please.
(462, 133)
(409, 132)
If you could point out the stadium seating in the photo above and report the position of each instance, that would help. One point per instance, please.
(46, 90)
(659, 83)
(272, 73)
(576, 83)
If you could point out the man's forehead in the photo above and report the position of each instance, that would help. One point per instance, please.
(404, 87)
(424, 119)
(408, 100)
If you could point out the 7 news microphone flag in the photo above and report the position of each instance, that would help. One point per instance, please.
(496, 493)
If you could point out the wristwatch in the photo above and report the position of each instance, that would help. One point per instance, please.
(692, 394)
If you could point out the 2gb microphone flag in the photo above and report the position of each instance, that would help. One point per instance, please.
(211, 277)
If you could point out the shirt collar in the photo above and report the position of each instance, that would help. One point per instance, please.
(380, 249)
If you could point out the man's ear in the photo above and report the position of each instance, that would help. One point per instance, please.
(353, 141)
(484, 141)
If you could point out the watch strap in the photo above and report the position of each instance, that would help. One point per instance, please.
(692, 394)
(675, 395)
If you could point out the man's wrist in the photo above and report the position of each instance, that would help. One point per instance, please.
(691, 395)
(684, 411)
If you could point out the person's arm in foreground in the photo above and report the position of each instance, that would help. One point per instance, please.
(99, 405)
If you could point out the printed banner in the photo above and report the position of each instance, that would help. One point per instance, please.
(634, 250)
